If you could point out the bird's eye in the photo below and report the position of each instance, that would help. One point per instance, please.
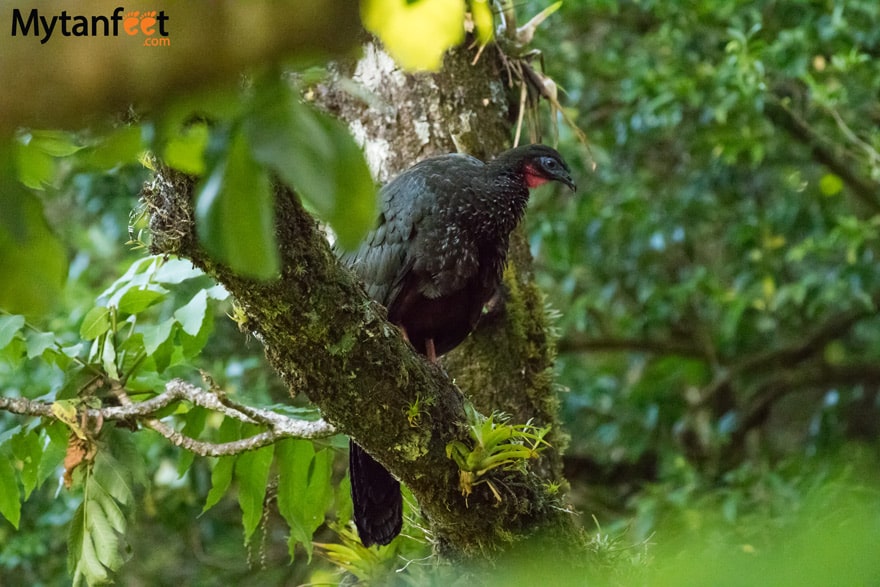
(549, 163)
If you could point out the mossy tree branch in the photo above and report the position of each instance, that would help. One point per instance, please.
(325, 338)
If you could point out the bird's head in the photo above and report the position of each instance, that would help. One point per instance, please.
(540, 164)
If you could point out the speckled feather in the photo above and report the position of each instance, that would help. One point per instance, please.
(434, 259)
(439, 248)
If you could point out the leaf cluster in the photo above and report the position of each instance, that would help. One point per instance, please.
(718, 273)
(495, 444)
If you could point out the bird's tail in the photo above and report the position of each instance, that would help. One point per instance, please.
(378, 505)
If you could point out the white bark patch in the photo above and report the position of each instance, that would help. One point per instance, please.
(376, 69)
(423, 131)
(376, 150)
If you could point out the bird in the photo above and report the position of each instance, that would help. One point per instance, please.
(434, 259)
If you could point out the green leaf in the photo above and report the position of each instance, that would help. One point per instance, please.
(192, 315)
(61, 357)
(185, 150)
(164, 352)
(35, 155)
(95, 323)
(34, 261)
(10, 500)
(28, 448)
(9, 327)
(38, 342)
(36, 169)
(194, 424)
(108, 358)
(137, 275)
(9, 434)
(304, 490)
(191, 345)
(111, 509)
(157, 335)
(235, 211)
(113, 476)
(214, 103)
(76, 533)
(175, 271)
(54, 450)
(137, 300)
(83, 560)
(103, 536)
(14, 353)
(128, 458)
(316, 155)
(119, 147)
(57, 143)
(252, 474)
(221, 478)
(221, 474)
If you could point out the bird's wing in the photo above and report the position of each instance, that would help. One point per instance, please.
(410, 208)
(382, 260)
(379, 259)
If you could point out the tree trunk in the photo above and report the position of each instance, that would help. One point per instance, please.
(326, 339)
(506, 364)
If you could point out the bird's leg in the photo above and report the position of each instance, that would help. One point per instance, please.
(430, 351)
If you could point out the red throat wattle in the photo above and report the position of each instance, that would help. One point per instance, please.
(533, 179)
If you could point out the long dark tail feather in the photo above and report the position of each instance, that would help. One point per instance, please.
(378, 505)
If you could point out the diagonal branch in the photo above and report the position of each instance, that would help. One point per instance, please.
(323, 335)
(814, 342)
(784, 357)
(867, 191)
(820, 375)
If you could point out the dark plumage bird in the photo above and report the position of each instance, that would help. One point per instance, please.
(434, 259)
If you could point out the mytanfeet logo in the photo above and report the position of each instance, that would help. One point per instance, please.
(151, 25)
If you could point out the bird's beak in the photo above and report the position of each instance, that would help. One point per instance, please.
(566, 179)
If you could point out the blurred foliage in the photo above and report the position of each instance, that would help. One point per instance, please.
(76, 345)
(718, 271)
(717, 275)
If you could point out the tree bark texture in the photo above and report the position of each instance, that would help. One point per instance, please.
(506, 364)
(326, 339)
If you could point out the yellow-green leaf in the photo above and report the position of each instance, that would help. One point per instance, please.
(96, 323)
(65, 411)
(10, 499)
(484, 22)
(34, 261)
(830, 184)
(416, 34)
(185, 150)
